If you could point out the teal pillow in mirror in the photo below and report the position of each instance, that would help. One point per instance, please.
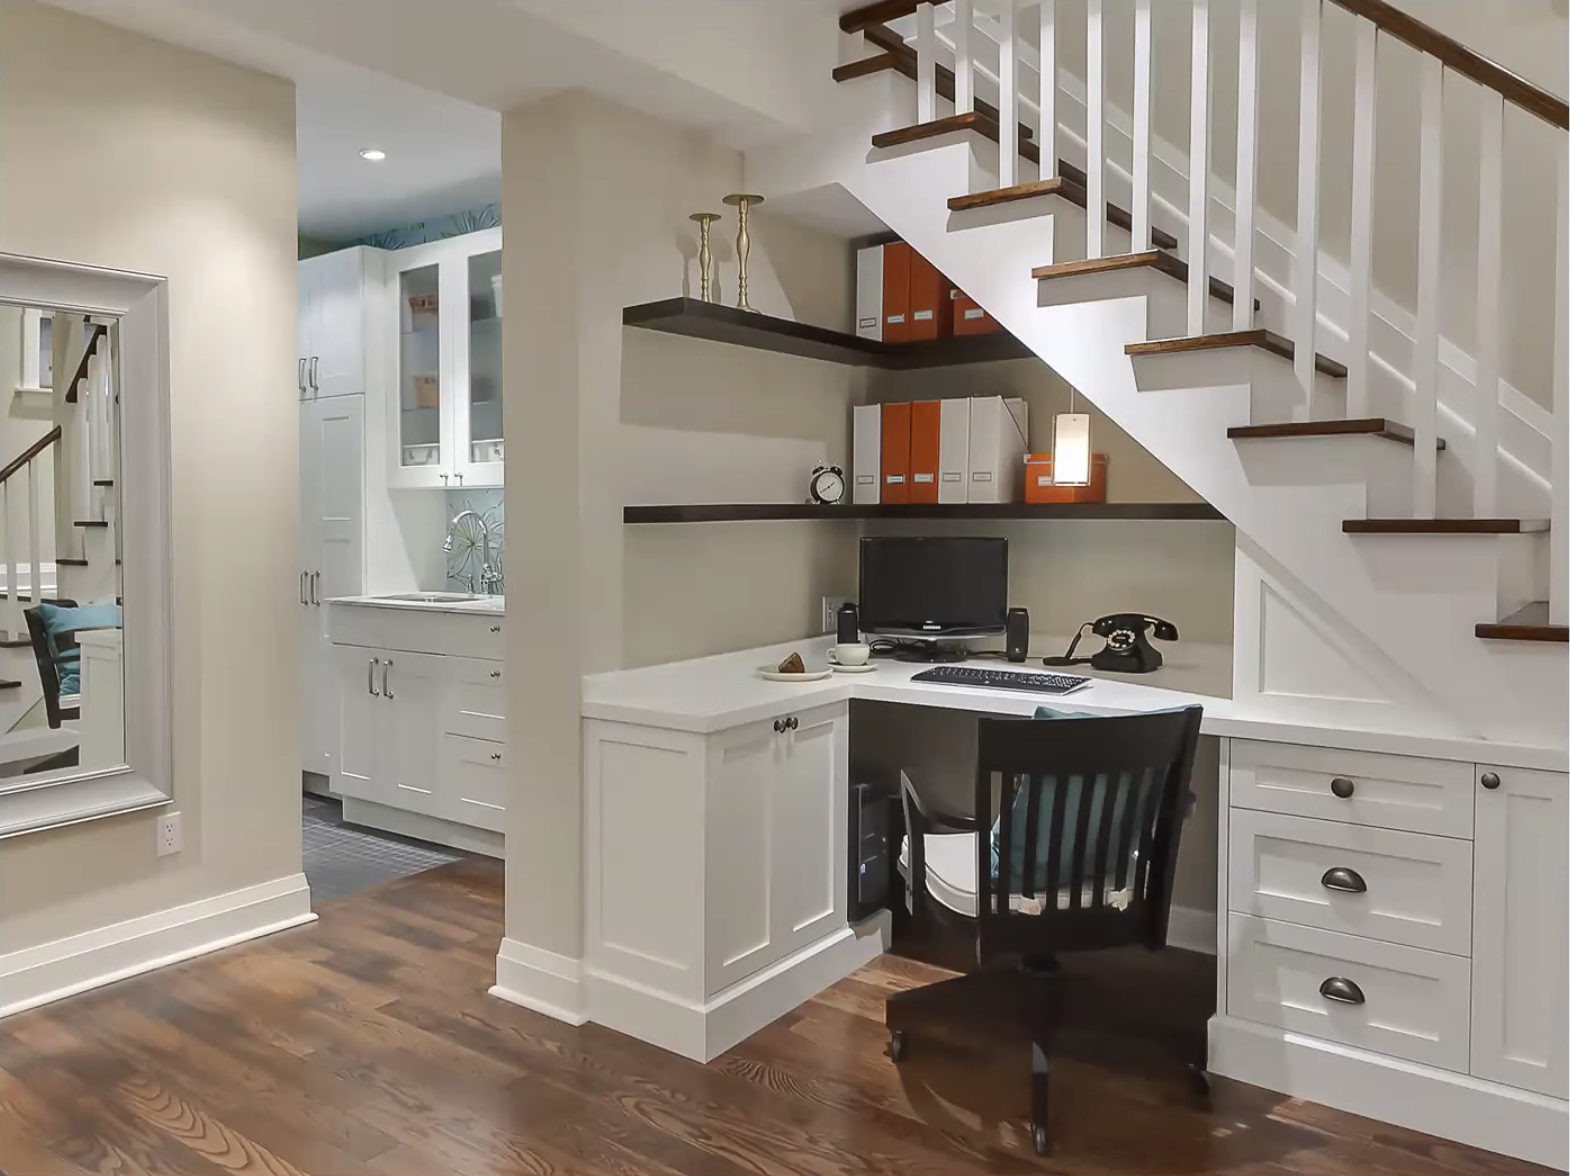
(59, 621)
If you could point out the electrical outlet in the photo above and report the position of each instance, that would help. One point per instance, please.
(168, 834)
(831, 608)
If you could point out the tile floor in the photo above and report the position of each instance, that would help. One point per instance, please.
(342, 859)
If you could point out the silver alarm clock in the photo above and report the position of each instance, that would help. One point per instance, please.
(826, 487)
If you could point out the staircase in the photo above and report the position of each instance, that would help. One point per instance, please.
(1400, 510)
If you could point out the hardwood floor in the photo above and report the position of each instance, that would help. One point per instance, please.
(367, 1043)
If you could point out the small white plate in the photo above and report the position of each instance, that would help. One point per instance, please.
(865, 668)
(771, 674)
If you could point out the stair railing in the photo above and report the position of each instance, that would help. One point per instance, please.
(965, 32)
(26, 465)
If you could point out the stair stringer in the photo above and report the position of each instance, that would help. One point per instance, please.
(1409, 604)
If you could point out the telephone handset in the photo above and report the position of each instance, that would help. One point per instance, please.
(1128, 650)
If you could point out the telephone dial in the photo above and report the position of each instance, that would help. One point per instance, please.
(1128, 649)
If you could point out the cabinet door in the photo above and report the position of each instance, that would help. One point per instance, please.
(306, 293)
(419, 409)
(412, 688)
(477, 366)
(807, 830)
(338, 324)
(334, 495)
(743, 767)
(1519, 998)
(359, 719)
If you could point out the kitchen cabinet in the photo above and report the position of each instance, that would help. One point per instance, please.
(444, 408)
(332, 319)
(1520, 915)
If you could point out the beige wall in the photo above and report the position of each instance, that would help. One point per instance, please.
(124, 152)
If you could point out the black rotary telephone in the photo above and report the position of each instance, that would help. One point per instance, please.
(1128, 650)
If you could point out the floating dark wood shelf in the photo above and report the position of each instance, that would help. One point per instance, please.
(1528, 623)
(725, 324)
(1443, 526)
(794, 512)
(1223, 340)
(1356, 426)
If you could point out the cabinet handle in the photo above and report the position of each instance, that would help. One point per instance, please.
(779, 726)
(1345, 880)
(460, 478)
(497, 756)
(444, 479)
(496, 628)
(316, 587)
(315, 387)
(1342, 787)
(302, 377)
(303, 577)
(370, 676)
(1490, 780)
(496, 673)
(792, 723)
(1341, 990)
(386, 673)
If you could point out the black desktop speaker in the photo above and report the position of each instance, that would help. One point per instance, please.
(1017, 639)
(847, 625)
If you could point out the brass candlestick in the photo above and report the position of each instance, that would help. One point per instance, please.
(705, 257)
(742, 201)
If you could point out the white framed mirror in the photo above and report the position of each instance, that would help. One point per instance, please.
(85, 632)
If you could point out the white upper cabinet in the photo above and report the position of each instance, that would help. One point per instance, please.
(332, 324)
(444, 419)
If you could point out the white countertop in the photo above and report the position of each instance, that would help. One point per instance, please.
(716, 693)
(487, 605)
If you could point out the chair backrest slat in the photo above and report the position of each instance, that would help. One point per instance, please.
(1032, 831)
(1102, 846)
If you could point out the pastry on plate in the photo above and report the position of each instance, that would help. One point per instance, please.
(793, 665)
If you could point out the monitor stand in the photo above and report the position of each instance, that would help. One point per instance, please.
(931, 652)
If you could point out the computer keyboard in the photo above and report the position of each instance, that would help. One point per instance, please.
(1002, 679)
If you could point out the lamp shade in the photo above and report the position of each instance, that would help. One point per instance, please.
(1071, 449)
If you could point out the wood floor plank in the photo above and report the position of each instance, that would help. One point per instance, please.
(366, 1043)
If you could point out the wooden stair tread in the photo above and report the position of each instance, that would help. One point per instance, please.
(977, 121)
(1528, 623)
(1258, 337)
(1070, 189)
(72, 562)
(901, 58)
(90, 523)
(15, 642)
(1150, 259)
(1369, 426)
(1444, 526)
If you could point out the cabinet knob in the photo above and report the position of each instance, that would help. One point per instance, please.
(497, 756)
(779, 725)
(1341, 990)
(1490, 780)
(496, 673)
(496, 628)
(792, 723)
(1342, 787)
(1343, 879)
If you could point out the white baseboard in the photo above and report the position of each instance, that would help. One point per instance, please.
(704, 1031)
(468, 838)
(1452, 1106)
(540, 980)
(1192, 929)
(37, 975)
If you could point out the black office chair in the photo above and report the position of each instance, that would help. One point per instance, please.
(1084, 816)
(48, 671)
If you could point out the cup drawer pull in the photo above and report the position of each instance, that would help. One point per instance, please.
(1345, 880)
(1341, 990)
(1342, 787)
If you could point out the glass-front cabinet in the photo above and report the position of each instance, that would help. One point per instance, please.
(446, 421)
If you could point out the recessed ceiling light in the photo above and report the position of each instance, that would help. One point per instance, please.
(374, 154)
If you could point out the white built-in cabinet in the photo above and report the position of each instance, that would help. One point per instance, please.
(333, 336)
(444, 411)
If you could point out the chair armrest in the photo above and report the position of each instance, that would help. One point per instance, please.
(933, 818)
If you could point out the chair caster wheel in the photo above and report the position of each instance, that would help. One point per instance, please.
(897, 1045)
(1038, 1137)
(1199, 1081)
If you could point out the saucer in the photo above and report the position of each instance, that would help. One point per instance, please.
(865, 668)
(769, 673)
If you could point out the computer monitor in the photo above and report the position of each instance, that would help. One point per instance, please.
(934, 588)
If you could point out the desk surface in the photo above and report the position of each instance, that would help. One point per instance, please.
(716, 693)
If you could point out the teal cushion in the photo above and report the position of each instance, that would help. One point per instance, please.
(1020, 812)
(58, 621)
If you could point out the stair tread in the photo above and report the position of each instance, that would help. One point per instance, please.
(1257, 337)
(1356, 426)
(91, 523)
(901, 58)
(71, 562)
(1068, 188)
(1528, 623)
(1443, 526)
(1156, 259)
(982, 124)
(15, 642)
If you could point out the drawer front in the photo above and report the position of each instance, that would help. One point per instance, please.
(355, 624)
(1410, 1003)
(1408, 888)
(459, 635)
(476, 699)
(1386, 791)
(474, 782)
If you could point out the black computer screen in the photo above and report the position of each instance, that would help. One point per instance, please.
(933, 586)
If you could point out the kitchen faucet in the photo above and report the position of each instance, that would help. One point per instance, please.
(489, 576)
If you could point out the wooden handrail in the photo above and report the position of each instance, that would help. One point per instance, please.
(875, 14)
(29, 453)
(99, 331)
(1426, 39)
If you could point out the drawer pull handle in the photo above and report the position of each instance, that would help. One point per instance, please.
(1342, 787)
(1341, 990)
(1490, 780)
(1345, 880)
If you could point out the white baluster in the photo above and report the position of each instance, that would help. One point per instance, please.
(964, 68)
(1559, 524)
(1425, 359)
(1008, 98)
(1490, 221)
(34, 561)
(1199, 171)
(1095, 133)
(1305, 274)
(15, 624)
(1362, 219)
(1048, 97)
(1247, 163)
(926, 65)
(1142, 73)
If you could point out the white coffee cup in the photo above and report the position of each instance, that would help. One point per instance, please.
(850, 655)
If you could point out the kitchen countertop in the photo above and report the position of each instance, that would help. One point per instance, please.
(483, 605)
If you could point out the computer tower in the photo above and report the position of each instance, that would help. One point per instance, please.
(868, 856)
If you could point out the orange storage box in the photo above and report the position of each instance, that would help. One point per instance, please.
(1039, 487)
